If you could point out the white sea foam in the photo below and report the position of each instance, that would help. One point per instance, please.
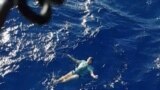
(116, 80)
(7, 66)
(84, 18)
(157, 63)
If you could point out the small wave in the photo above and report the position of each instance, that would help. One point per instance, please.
(157, 63)
(48, 83)
(7, 66)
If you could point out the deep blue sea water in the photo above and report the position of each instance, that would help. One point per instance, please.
(121, 36)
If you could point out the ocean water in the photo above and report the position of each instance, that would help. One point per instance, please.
(121, 36)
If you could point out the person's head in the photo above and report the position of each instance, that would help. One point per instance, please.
(89, 60)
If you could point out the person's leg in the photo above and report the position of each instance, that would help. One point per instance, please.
(61, 79)
(74, 76)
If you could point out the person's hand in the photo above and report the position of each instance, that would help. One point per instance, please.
(68, 55)
(95, 77)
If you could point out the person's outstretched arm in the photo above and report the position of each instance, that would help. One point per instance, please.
(91, 70)
(93, 75)
(73, 59)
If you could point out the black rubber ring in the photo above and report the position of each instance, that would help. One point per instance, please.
(31, 15)
(5, 10)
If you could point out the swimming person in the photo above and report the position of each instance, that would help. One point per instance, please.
(83, 67)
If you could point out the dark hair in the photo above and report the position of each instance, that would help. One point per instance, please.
(90, 57)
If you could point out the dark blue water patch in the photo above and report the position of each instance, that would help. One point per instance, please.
(9, 83)
(74, 19)
(72, 12)
(149, 81)
(11, 17)
(26, 77)
(143, 8)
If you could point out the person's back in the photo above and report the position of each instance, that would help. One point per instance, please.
(83, 68)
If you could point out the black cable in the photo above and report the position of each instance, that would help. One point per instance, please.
(39, 18)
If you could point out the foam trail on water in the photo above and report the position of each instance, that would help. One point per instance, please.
(84, 18)
(7, 66)
(5, 36)
(49, 82)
